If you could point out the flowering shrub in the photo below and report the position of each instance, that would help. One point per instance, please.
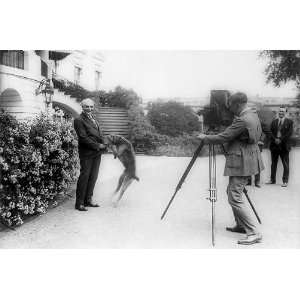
(70, 88)
(37, 161)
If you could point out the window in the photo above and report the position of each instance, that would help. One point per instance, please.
(12, 58)
(44, 69)
(77, 75)
(97, 79)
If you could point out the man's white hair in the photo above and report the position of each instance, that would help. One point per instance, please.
(87, 101)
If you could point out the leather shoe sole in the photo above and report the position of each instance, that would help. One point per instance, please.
(236, 229)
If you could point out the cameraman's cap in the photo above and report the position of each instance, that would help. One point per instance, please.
(238, 98)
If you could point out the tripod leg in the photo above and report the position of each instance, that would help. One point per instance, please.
(214, 194)
(185, 174)
(212, 189)
(213, 223)
(252, 206)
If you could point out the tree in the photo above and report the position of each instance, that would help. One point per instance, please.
(282, 66)
(173, 118)
(142, 134)
(119, 97)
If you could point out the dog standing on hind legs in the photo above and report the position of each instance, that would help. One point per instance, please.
(123, 150)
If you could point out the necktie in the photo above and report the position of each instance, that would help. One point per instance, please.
(279, 128)
(95, 122)
(91, 118)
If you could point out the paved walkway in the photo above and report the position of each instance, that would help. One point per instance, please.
(136, 222)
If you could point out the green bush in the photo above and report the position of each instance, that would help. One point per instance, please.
(38, 160)
(173, 118)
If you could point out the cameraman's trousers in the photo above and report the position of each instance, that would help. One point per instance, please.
(240, 207)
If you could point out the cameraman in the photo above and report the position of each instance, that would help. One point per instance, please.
(243, 159)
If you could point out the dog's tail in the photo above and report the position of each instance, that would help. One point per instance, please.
(136, 178)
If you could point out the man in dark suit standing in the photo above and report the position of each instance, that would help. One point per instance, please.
(243, 159)
(280, 145)
(90, 147)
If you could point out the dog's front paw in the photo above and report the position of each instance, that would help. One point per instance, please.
(115, 202)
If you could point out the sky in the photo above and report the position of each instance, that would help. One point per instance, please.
(164, 74)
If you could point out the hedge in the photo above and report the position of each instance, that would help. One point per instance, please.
(173, 118)
(38, 160)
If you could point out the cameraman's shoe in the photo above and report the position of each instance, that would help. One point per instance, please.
(251, 239)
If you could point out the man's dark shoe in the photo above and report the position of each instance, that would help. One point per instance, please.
(284, 184)
(236, 229)
(81, 208)
(270, 182)
(251, 239)
(92, 205)
(258, 185)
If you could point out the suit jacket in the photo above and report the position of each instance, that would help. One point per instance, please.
(89, 137)
(286, 133)
(243, 157)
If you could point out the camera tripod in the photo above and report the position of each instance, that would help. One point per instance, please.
(212, 185)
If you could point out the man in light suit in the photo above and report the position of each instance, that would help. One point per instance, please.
(280, 145)
(90, 147)
(243, 159)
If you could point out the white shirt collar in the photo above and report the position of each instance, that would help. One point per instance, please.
(245, 109)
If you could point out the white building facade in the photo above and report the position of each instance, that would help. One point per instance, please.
(20, 75)
(82, 67)
(22, 71)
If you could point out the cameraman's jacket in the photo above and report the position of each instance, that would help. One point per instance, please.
(243, 157)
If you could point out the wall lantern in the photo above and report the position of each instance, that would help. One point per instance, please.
(46, 88)
(48, 91)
